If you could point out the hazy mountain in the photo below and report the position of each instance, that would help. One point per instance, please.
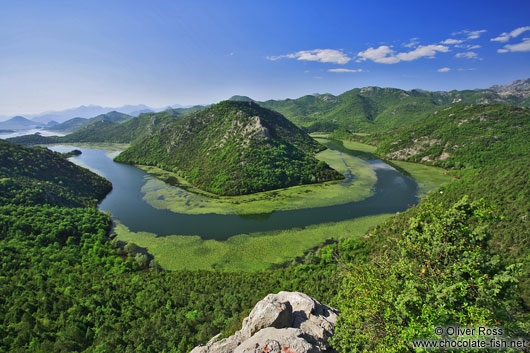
(84, 111)
(18, 122)
(79, 123)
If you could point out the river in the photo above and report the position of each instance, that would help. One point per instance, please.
(394, 192)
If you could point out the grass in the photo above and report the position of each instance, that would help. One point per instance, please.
(428, 178)
(358, 146)
(249, 252)
(190, 200)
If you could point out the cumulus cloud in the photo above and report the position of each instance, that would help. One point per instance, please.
(345, 70)
(519, 47)
(412, 43)
(319, 55)
(471, 34)
(504, 37)
(382, 55)
(386, 55)
(452, 41)
(444, 69)
(467, 55)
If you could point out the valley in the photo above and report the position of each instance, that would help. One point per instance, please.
(299, 217)
(300, 212)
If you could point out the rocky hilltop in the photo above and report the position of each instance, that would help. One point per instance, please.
(233, 148)
(286, 322)
(519, 85)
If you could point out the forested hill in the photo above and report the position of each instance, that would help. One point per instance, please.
(234, 148)
(372, 109)
(488, 145)
(462, 136)
(79, 123)
(30, 176)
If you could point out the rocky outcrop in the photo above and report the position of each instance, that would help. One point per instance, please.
(286, 322)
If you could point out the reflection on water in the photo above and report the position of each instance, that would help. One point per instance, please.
(394, 192)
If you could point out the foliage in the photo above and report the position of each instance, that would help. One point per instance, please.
(33, 176)
(460, 137)
(439, 271)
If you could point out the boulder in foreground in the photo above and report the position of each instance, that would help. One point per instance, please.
(284, 322)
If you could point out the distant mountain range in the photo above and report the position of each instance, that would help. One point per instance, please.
(90, 111)
(79, 123)
(368, 109)
(21, 123)
(372, 109)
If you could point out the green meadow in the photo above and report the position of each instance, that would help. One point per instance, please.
(248, 252)
(428, 178)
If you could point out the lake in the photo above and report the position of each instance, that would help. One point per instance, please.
(394, 192)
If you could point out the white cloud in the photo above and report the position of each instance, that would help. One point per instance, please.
(320, 55)
(412, 43)
(504, 37)
(470, 34)
(385, 55)
(345, 70)
(467, 55)
(452, 41)
(382, 55)
(519, 47)
(444, 69)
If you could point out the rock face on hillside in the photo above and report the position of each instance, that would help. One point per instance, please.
(284, 322)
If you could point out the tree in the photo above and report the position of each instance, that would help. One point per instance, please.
(141, 260)
(131, 248)
(439, 271)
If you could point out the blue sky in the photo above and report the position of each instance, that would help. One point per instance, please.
(61, 54)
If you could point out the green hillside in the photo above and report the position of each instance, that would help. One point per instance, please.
(488, 147)
(371, 109)
(75, 124)
(233, 148)
(31, 176)
(462, 136)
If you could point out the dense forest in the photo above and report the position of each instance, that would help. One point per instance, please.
(234, 148)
